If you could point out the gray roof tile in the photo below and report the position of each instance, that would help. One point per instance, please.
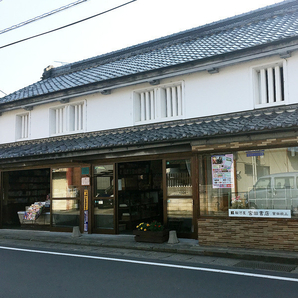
(274, 23)
(194, 129)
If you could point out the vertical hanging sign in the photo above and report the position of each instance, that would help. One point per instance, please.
(85, 210)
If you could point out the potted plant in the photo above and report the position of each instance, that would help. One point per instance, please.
(151, 232)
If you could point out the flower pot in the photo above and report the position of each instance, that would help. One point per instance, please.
(152, 237)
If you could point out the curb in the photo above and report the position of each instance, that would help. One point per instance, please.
(263, 256)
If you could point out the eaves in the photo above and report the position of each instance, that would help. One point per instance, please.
(87, 156)
(206, 144)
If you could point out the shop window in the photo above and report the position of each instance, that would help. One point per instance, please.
(22, 126)
(65, 196)
(163, 102)
(179, 195)
(67, 118)
(217, 184)
(65, 213)
(226, 184)
(269, 84)
(139, 193)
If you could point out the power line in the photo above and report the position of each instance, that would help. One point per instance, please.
(68, 25)
(42, 16)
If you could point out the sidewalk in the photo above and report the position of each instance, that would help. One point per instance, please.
(185, 246)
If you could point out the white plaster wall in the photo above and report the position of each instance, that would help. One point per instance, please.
(223, 92)
(110, 111)
(7, 127)
(230, 90)
(40, 122)
(292, 76)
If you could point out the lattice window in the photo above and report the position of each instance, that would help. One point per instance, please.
(270, 85)
(22, 126)
(163, 102)
(68, 118)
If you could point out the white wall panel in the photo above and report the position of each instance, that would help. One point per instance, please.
(229, 90)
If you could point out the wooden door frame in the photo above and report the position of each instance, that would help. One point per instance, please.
(92, 229)
(195, 197)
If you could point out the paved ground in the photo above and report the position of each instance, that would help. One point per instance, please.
(186, 249)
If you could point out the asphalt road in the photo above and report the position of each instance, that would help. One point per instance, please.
(58, 272)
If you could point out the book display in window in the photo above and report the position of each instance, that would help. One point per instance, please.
(139, 195)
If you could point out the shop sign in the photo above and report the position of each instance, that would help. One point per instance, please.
(255, 153)
(261, 213)
(222, 171)
(86, 199)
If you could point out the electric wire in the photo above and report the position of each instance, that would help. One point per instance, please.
(68, 25)
(42, 16)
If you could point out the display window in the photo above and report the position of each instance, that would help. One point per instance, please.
(253, 183)
(179, 195)
(66, 182)
(66, 197)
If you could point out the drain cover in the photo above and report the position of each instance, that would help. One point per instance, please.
(265, 266)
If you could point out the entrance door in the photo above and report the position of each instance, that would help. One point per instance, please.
(179, 197)
(103, 200)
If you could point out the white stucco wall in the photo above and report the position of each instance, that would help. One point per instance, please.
(229, 90)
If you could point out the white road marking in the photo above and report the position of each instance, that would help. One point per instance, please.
(153, 264)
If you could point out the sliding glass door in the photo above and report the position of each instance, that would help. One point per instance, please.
(179, 196)
(103, 201)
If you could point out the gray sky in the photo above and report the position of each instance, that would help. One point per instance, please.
(22, 64)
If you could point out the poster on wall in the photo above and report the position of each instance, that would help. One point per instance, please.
(222, 171)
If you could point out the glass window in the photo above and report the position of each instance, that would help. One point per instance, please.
(263, 183)
(258, 179)
(65, 213)
(179, 192)
(66, 182)
(103, 203)
(216, 183)
(104, 181)
(179, 178)
(104, 213)
(180, 214)
(284, 182)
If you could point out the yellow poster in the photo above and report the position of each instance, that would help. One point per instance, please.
(85, 199)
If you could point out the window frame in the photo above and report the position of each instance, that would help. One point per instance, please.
(19, 129)
(256, 84)
(68, 123)
(159, 104)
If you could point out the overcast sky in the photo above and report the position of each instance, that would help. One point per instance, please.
(22, 64)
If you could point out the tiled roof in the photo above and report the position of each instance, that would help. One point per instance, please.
(261, 27)
(259, 121)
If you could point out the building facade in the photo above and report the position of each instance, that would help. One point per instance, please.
(197, 130)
